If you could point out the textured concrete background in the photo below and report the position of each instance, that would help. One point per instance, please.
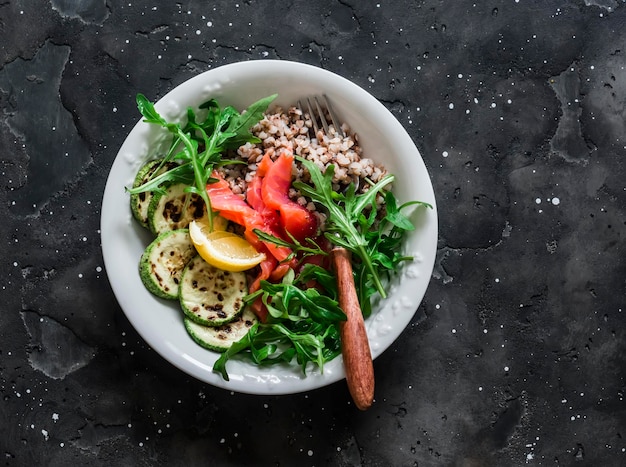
(516, 355)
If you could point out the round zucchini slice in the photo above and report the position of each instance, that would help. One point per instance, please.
(163, 261)
(174, 209)
(211, 296)
(139, 202)
(220, 338)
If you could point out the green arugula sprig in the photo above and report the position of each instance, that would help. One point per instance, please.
(302, 323)
(353, 224)
(199, 145)
(311, 248)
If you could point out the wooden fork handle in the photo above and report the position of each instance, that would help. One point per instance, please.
(357, 357)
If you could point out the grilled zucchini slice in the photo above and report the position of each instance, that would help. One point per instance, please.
(174, 209)
(163, 261)
(220, 338)
(211, 296)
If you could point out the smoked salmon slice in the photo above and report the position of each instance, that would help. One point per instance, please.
(295, 219)
(228, 204)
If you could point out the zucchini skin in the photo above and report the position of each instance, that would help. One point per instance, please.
(220, 338)
(163, 261)
(211, 296)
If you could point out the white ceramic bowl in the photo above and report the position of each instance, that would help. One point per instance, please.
(383, 139)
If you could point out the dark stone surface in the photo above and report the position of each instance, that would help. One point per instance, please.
(516, 355)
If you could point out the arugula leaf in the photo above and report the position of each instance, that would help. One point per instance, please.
(323, 277)
(199, 145)
(242, 344)
(295, 245)
(240, 125)
(146, 108)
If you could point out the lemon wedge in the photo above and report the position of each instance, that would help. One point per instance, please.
(223, 250)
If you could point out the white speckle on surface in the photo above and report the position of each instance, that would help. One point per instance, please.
(444, 153)
(45, 434)
(556, 201)
(506, 368)
(537, 200)
(451, 106)
(55, 417)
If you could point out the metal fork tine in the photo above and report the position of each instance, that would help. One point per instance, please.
(333, 116)
(315, 108)
(320, 113)
(311, 113)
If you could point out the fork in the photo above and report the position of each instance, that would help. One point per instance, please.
(357, 357)
(313, 104)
